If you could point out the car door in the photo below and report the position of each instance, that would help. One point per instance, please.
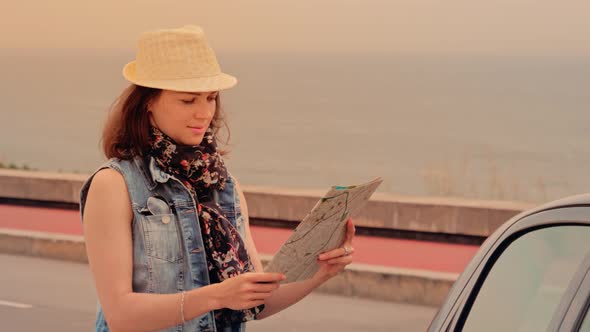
(519, 279)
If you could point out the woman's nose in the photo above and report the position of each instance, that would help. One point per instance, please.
(203, 112)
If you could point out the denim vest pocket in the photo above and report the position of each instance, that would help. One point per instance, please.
(161, 237)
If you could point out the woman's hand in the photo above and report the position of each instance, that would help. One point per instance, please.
(334, 261)
(247, 290)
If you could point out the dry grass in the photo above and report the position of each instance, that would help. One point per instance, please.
(24, 167)
(493, 181)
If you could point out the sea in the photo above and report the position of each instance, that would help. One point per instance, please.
(493, 127)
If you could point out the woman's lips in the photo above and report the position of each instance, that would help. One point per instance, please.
(197, 130)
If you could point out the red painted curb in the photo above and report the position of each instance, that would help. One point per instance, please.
(409, 254)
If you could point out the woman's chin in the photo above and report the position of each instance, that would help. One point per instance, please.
(194, 140)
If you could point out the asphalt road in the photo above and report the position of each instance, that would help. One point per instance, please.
(48, 295)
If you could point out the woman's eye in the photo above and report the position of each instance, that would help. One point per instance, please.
(211, 99)
(188, 101)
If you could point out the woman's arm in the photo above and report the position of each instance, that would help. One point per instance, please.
(107, 232)
(331, 263)
(249, 242)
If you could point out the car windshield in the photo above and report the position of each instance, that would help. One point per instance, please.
(526, 283)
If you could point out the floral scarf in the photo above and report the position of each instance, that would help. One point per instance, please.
(202, 170)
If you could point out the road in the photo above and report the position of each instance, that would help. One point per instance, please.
(48, 295)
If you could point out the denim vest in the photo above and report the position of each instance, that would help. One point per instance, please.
(168, 251)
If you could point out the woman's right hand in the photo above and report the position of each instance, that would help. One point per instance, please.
(247, 290)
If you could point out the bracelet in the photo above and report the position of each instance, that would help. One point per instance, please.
(182, 307)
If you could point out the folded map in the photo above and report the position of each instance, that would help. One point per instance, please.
(323, 229)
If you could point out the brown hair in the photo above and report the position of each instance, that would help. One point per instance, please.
(126, 131)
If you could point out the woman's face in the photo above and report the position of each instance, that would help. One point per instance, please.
(184, 116)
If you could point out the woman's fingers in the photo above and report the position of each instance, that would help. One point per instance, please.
(338, 252)
(350, 231)
(248, 290)
(259, 296)
(339, 260)
(265, 287)
(346, 249)
(264, 277)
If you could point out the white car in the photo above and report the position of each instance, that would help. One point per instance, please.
(530, 275)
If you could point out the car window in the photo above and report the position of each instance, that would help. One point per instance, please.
(527, 281)
(585, 327)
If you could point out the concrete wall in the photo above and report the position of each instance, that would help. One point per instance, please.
(420, 214)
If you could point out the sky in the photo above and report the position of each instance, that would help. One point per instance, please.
(404, 26)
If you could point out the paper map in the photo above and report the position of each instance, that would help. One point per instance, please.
(323, 229)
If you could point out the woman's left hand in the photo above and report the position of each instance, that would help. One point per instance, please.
(334, 261)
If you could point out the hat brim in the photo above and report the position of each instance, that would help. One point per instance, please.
(221, 81)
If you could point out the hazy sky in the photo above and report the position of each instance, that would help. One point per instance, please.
(490, 26)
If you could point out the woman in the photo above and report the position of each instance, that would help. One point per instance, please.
(165, 224)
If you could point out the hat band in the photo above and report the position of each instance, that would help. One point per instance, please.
(169, 72)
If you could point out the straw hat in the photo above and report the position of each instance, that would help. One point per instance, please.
(177, 59)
